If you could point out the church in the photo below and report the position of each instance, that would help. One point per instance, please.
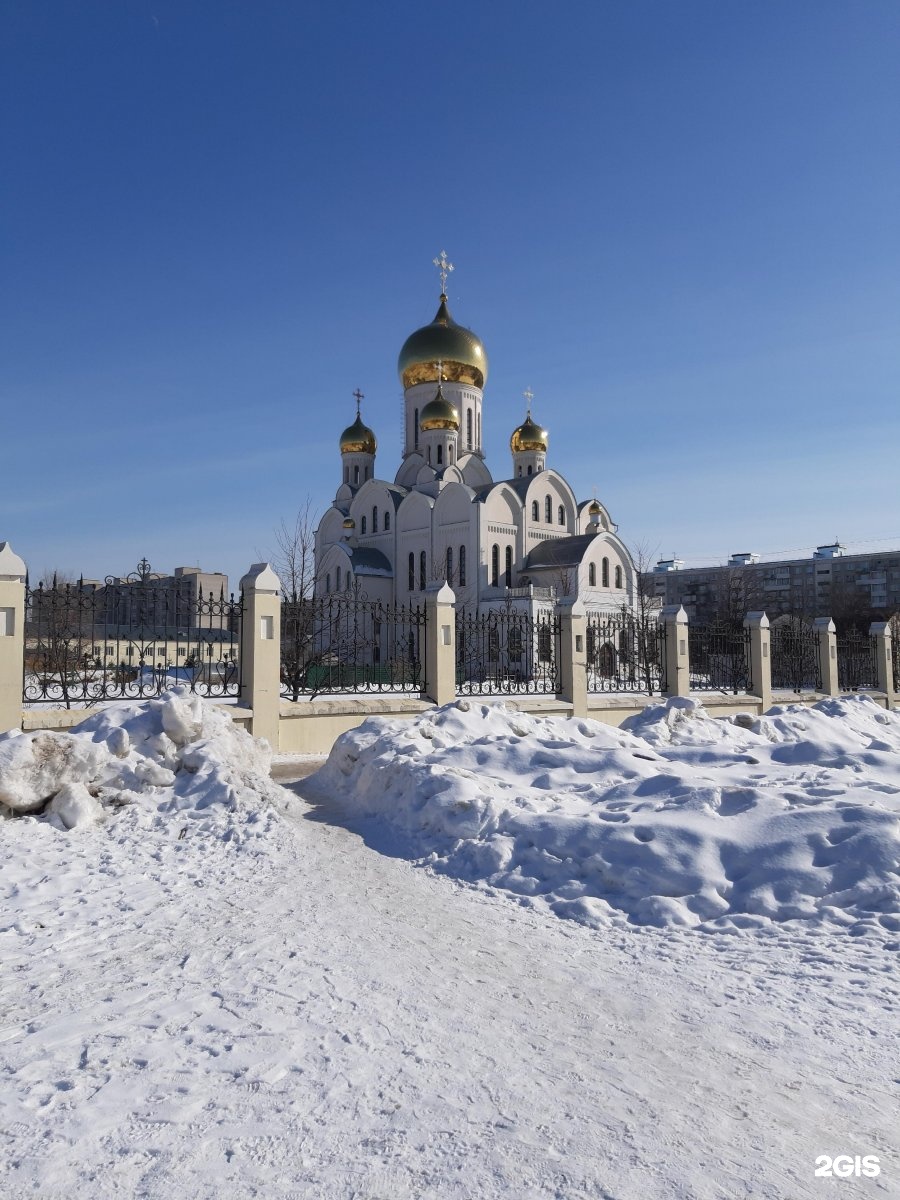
(523, 540)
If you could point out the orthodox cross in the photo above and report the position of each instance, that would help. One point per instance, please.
(529, 396)
(359, 396)
(440, 367)
(444, 269)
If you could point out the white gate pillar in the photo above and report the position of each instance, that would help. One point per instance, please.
(12, 637)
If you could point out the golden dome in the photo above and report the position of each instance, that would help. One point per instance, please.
(358, 438)
(528, 436)
(594, 508)
(459, 351)
(439, 413)
(349, 523)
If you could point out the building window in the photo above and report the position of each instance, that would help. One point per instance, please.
(449, 572)
(450, 455)
(428, 455)
(479, 429)
(412, 572)
(548, 510)
(495, 566)
(468, 429)
(618, 577)
(387, 521)
(337, 586)
(604, 573)
(520, 471)
(362, 527)
(462, 566)
(509, 566)
(561, 515)
(422, 571)
(440, 456)
(529, 468)
(374, 520)
(356, 475)
(545, 644)
(416, 429)
(592, 575)
(535, 511)
(328, 584)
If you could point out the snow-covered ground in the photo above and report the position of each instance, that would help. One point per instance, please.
(214, 987)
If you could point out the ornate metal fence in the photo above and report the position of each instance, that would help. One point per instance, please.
(507, 650)
(625, 654)
(128, 639)
(857, 664)
(895, 655)
(345, 642)
(795, 656)
(719, 658)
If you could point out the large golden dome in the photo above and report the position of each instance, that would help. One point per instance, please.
(459, 351)
(528, 436)
(439, 413)
(358, 438)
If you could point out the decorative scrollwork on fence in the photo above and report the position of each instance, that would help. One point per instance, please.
(344, 642)
(85, 644)
(507, 650)
(625, 654)
(794, 646)
(719, 656)
(856, 661)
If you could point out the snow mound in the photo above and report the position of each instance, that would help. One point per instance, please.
(175, 754)
(676, 819)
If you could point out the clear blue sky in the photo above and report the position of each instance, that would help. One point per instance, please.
(677, 222)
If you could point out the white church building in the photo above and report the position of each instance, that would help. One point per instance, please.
(524, 539)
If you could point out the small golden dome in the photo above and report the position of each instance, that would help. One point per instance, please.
(528, 436)
(594, 508)
(349, 523)
(439, 413)
(358, 438)
(458, 349)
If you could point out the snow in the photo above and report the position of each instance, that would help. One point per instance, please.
(677, 818)
(213, 986)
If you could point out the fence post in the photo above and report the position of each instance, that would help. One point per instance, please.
(828, 661)
(678, 675)
(261, 651)
(760, 657)
(573, 655)
(440, 642)
(12, 637)
(884, 662)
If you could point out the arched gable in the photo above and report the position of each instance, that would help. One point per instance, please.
(330, 529)
(409, 470)
(502, 505)
(453, 505)
(415, 512)
(551, 483)
(474, 472)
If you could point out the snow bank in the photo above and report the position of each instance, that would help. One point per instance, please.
(176, 754)
(676, 819)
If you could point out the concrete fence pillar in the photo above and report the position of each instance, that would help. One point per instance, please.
(884, 663)
(678, 675)
(573, 655)
(828, 663)
(12, 637)
(261, 651)
(759, 657)
(440, 642)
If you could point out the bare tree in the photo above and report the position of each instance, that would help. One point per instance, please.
(647, 606)
(294, 561)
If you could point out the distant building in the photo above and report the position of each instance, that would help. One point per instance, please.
(829, 583)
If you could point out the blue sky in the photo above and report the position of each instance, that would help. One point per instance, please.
(676, 222)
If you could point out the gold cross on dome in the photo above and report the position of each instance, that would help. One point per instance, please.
(358, 396)
(444, 268)
(529, 396)
(439, 366)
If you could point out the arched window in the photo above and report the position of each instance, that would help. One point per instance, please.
(548, 510)
(509, 566)
(450, 454)
(495, 566)
(346, 474)
(387, 521)
(561, 515)
(448, 575)
(337, 586)
(422, 571)
(592, 574)
(428, 455)
(462, 566)
(356, 475)
(412, 572)
(479, 429)
(618, 577)
(440, 456)
(362, 527)
(529, 468)
(468, 429)
(375, 520)
(365, 473)
(604, 573)
(328, 583)
(535, 511)
(416, 429)
(520, 470)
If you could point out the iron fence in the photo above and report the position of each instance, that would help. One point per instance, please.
(127, 640)
(625, 654)
(345, 642)
(507, 650)
(895, 656)
(719, 658)
(856, 661)
(794, 647)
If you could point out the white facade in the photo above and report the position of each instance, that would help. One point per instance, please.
(443, 517)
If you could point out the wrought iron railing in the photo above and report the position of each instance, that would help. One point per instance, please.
(856, 661)
(507, 650)
(128, 639)
(719, 657)
(345, 642)
(895, 657)
(794, 647)
(625, 654)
